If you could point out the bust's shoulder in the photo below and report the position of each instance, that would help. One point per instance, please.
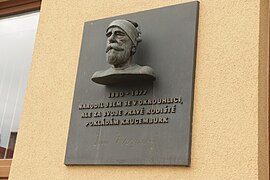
(97, 74)
(102, 73)
(146, 70)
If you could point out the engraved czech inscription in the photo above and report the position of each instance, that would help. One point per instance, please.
(101, 114)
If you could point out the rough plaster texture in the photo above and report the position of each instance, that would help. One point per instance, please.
(230, 93)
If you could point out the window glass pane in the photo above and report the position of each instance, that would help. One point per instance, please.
(17, 36)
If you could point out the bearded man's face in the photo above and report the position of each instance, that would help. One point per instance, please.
(118, 48)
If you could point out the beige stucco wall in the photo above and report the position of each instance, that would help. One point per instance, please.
(229, 139)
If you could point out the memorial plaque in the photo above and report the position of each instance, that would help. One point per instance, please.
(133, 99)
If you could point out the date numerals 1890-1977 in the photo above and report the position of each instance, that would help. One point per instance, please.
(130, 93)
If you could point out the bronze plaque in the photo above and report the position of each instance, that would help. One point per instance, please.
(133, 99)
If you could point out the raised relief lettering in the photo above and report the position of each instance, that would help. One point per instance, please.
(146, 113)
(113, 113)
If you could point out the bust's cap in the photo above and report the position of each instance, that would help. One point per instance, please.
(132, 32)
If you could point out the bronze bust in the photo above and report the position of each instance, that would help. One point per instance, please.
(123, 37)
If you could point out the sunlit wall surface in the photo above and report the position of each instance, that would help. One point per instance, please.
(17, 37)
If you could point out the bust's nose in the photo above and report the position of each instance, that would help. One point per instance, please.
(112, 38)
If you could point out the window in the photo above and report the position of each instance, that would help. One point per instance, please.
(17, 36)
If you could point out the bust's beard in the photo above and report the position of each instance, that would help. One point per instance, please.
(117, 59)
(113, 59)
